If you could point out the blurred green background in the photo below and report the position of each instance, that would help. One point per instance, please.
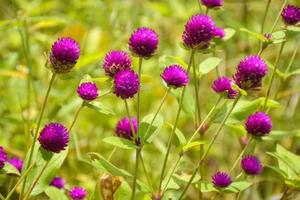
(28, 28)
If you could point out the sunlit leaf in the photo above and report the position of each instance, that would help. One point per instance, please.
(209, 64)
(120, 142)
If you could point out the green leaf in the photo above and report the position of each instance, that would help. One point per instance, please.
(166, 60)
(209, 64)
(236, 87)
(87, 59)
(188, 104)
(256, 35)
(180, 135)
(278, 72)
(55, 194)
(229, 33)
(278, 37)
(123, 192)
(96, 195)
(100, 107)
(10, 169)
(153, 129)
(293, 73)
(270, 103)
(120, 142)
(293, 28)
(191, 145)
(237, 186)
(206, 187)
(279, 135)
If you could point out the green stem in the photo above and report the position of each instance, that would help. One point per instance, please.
(146, 173)
(37, 129)
(273, 74)
(76, 116)
(209, 147)
(173, 171)
(139, 93)
(137, 156)
(155, 115)
(292, 59)
(2, 197)
(130, 122)
(19, 182)
(104, 94)
(207, 10)
(174, 127)
(265, 16)
(200, 7)
(112, 153)
(196, 88)
(36, 180)
(278, 16)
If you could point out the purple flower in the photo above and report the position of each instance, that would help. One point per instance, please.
(223, 85)
(221, 179)
(58, 182)
(250, 72)
(251, 165)
(199, 30)
(64, 55)
(88, 91)
(219, 32)
(291, 14)
(126, 84)
(116, 61)
(123, 128)
(175, 76)
(143, 42)
(258, 124)
(3, 157)
(213, 3)
(77, 193)
(54, 137)
(17, 163)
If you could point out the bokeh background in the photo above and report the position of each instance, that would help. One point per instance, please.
(28, 28)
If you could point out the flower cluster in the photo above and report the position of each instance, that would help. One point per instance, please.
(116, 61)
(221, 179)
(175, 76)
(258, 124)
(291, 14)
(88, 91)
(213, 3)
(3, 157)
(58, 182)
(126, 84)
(17, 163)
(77, 193)
(251, 165)
(223, 85)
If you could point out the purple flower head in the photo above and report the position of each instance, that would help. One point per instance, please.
(64, 55)
(199, 30)
(143, 42)
(251, 165)
(291, 14)
(3, 157)
(54, 137)
(77, 193)
(175, 76)
(123, 128)
(258, 124)
(223, 85)
(88, 91)
(219, 32)
(250, 72)
(213, 3)
(58, 182)
(126, 84)
(17, 163)
(116, 61)
(221, 179)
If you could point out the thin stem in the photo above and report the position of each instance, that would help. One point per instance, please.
(2, 197)
(137, 156)
(174, 128)
(292, 58)
(207, 10)
(36, 180)
(19, 182)
(146, 173)
(130, 121)
(173, 171)
(196, 87)
(209, 147)
(104, 94)
(139, 93)
(76, 116)
(273, 74)
(199, 4)
(155, 115)
(112, 153)
(37, 129)
(278, 16)
(265, 16)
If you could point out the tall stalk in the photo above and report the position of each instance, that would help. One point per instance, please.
(278, 16)
(139, 92)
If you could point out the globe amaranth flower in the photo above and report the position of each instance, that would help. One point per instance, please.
(250, 72)
(258, 124)
(88, 91)
(116, 61)
(199, 31)
(143, 42)
(77, 193)
(223, 85)
(17, 163)
(219, 33)
(54, 137)
(175, 76)
(126, 84)
(3, 157)
(64, 55)
(251, 165)
(58, 182)
(123, 128)
(213, 3)
(291, 14)
(221, 179)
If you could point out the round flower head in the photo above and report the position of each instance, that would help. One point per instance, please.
(221, 179)
(17, 163)
(250, 72)
(3, 157)
(116, 61)
(258, 124)
(123, 128)
(251, 165)
(54, 137)
(64, 55)
(88, 91)
(213, 3)
(199, 30)
(58, 182)
(223, 85)
(175, 76)
(291, 14)
(126, 84)
(77, 193)
(219, 32)
(143, 42)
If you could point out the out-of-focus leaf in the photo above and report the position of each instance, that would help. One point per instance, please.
(270, 103)
(180, 135)
(184, 178)
(153, 130)
(280, 135)
(238, 129)
(188, 104)
(120, 142)
(55, 194)
(293, 73)
(99, 107)
(278, 37)
(85, 60)
(278, 72)
(256, 35)
(124, 191)
(236, 87)
(209, 64)
(191, 145)
(293, 28)
(229, 33)
(10, 169)
(206, 187)
(165, 61)
(237, 186)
